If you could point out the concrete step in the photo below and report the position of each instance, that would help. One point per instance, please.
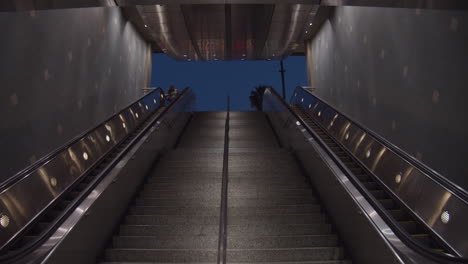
(170, 219)
(252, 144)
(265, 175)
(263, 166)
(274, 210)
(287, 241)
(176, 242)
(232, 211)
(265, 170)
(277, 219)
(212, 220)
(285, 254)
(200, 143)
(254, 157)
(255, 181)
(197, 202)
(213, 162)
(234, 242)
(208, 187)
(183, 178)
(235, 230)
(282, 262)
(175, 210)
(246, 202)
(169, 230)
(213, 200)
(250, 193)
(162, 255)
(164, 170)
(279, 229)
(269, 185)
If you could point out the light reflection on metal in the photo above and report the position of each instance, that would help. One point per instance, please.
(439, 208)
(47, 180)
(406, 174)
(378, 158)
(359, 141)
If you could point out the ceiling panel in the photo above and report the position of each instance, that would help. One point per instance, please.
(227, 32)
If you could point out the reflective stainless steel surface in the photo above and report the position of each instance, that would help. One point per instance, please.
(422, 4)
(192, 32)
(22, 200)
(19, 5)
(88, 228)
(425, 195)
(358, 223)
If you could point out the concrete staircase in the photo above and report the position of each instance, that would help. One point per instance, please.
(273, 215)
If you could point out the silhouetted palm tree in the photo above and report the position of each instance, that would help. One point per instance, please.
(256, 97)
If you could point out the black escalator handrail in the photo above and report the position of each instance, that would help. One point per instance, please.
(13, 256)
(45, 159)
(398, 230)
(429, 172)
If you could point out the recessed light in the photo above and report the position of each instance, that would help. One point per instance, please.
(4, 220)
(53, 182)
(445, 217)
(398, 178)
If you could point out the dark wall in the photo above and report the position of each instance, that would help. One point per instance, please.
(403, 73)
(61, 72)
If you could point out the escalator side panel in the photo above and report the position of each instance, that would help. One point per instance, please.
(360, 236)
(430, 197)
(87, 239)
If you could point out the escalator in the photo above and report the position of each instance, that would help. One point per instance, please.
(273, 215)
(45, 223)
(217, 187)
(400, 213)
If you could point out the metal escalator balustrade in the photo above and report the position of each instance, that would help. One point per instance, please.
(421, 204)
(64, 177)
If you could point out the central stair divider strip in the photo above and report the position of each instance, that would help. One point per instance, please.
(222, 241)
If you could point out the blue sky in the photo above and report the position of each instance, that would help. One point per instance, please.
(212, 80)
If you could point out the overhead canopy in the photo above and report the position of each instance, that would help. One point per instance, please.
(228, 32)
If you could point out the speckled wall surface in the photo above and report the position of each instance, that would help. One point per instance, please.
(403, 73)
(62, 72)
